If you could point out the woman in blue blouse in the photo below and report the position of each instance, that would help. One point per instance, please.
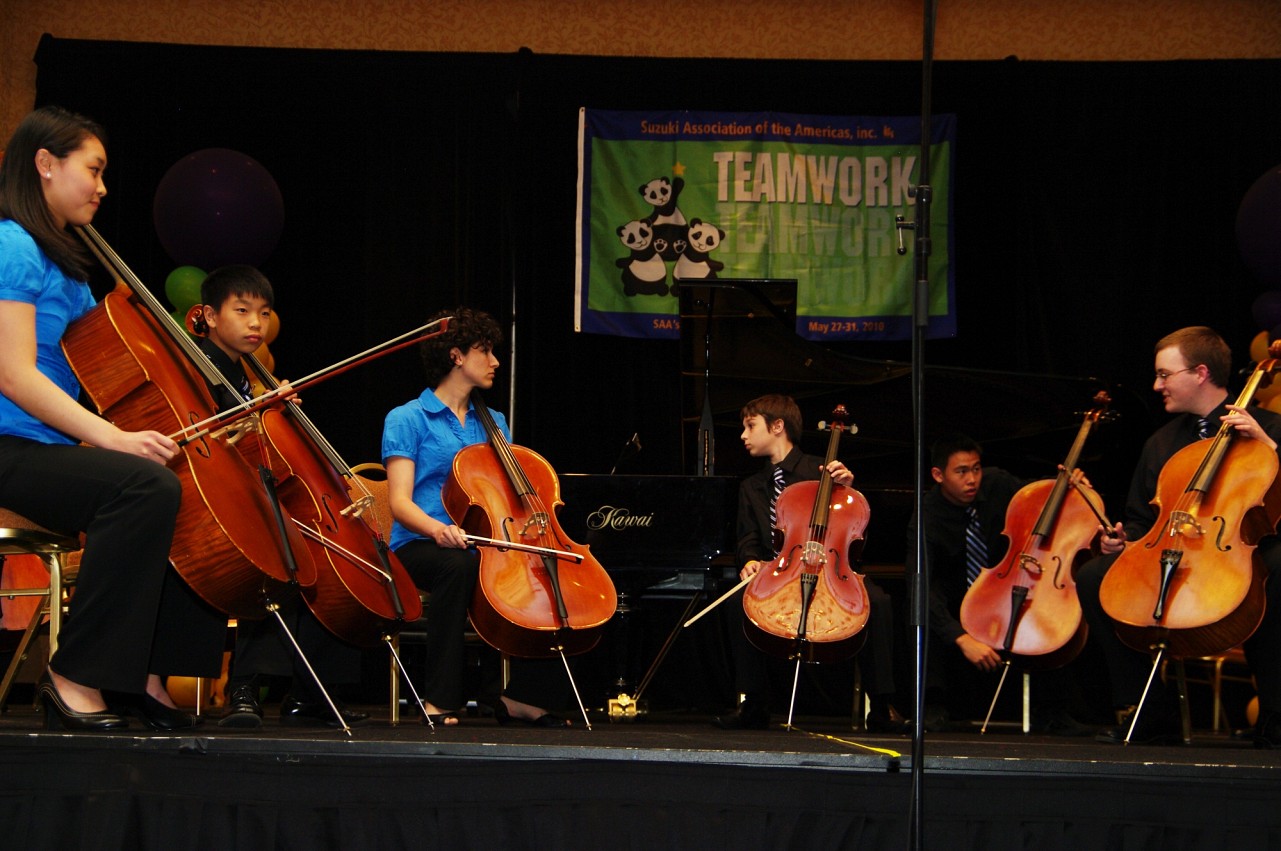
(63, 466)
(420, 440)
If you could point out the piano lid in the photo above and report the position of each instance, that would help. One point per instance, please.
(738, 341)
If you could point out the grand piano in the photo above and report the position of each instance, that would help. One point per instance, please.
(674, 535)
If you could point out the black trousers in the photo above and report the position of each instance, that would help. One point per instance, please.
(130, 614)
(1128, 669)
(751, 666)
(450, 575)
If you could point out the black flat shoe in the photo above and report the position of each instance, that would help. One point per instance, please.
(504, 717)
(158, 716)
(1153, 729)
(151, 712)
(305, 713)
(57, 715)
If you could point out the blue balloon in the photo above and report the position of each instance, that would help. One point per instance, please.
(218, 206)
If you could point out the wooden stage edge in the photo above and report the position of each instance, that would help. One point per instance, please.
(659, 782)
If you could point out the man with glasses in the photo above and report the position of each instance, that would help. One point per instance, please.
(1192, 369)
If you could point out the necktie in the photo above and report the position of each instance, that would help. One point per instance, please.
(246, 392)
(1203, 427)
(975, 546)
(773, 501)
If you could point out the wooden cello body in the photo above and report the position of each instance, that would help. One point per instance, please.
(525, 604)
(1193, 584)
(232, 545)
(809, 603)
(1026, 606)
(362, 592)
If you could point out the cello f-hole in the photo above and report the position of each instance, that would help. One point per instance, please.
(1223, 531)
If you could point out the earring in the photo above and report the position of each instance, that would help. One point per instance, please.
(48, 174)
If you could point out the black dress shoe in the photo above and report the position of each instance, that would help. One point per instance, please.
(748, 716)
(1155, 727)
(1059, 722)
(295, 712)
(244, 712)
(57, 715)
(1267, 733)
(886, 719)
(937, 718)
(547, 719)
(151, 712)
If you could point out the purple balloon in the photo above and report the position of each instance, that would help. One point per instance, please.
(218, 206)
(1259, 229)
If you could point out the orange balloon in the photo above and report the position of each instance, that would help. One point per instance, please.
(265, 358)
(273, 328)
(1259, 347)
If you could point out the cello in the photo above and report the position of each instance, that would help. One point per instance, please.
(809, 604)
(362, 593)
(1026, 607)
(549, 597)
(1192, 585)
(234, 544)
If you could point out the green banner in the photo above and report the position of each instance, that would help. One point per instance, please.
(672, 196)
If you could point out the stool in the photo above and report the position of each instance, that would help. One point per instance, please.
(20, 536)
(1214, 675)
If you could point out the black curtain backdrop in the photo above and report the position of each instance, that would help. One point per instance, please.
(1094, 212)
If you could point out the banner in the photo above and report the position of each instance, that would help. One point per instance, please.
(666, 196)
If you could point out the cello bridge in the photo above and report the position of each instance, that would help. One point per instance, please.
(538, 519)
(358, 506)
(813, 554)
(235, 430)
(1030, 564)
(1185, 523)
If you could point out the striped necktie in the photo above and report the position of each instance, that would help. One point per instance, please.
(773, 500)
(1203, 427)
(975, 546)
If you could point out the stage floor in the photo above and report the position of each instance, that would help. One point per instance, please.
(668, 780)
(691, 737)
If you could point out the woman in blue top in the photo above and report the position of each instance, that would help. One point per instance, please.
(116, 489)
(420, 440)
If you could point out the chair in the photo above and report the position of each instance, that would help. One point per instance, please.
(20, 536)
(374, 478)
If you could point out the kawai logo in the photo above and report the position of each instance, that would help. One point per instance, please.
(609, 517)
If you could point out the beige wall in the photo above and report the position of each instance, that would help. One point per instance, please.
(782, 29)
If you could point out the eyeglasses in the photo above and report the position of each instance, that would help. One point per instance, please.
(1162, 375)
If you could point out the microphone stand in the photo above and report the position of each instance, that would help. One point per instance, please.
(919, 578)
(706, 423)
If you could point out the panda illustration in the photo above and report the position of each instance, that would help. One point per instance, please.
(694, 261)
(666, 219)
(644, 272)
